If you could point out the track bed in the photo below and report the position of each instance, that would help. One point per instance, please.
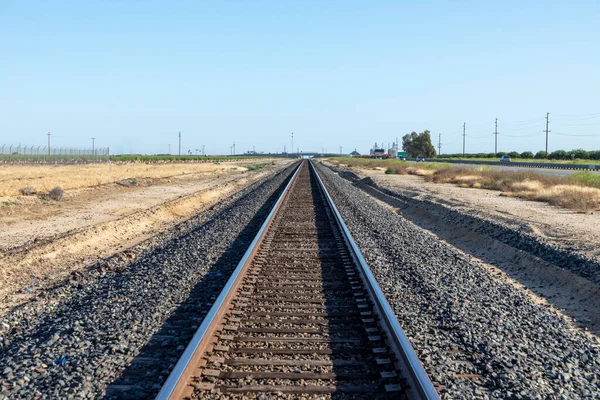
(299, 319)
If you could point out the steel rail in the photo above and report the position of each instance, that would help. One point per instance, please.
(412, 364)
(174, 385)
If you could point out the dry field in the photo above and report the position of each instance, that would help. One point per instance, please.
(43, 178)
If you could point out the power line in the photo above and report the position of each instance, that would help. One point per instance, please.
(524, 136)
(579, 116)
(570, 134)
(587, 124)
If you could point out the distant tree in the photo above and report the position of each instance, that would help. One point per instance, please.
(418, 144)
(514, 154)
(541, 155)
(581, 154)
(501, 153)
(559, 155)
(526, 154)
(594, 155)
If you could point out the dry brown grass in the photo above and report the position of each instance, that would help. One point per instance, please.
(573, 195)
(42, 178)
(578, 192)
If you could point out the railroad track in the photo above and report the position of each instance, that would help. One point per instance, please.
(301, 316)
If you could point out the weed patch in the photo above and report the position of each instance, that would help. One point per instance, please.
(254, 167)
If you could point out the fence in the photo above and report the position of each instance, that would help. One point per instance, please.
(25, 154)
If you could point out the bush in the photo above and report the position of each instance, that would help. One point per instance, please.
(526, 154)
(586, 178)
(514, 154)
(55, 194)
(580, 153)
(390, 171)
(559, 155)
(28, 191)
(501, 153)
(540, 155)
(594, 155)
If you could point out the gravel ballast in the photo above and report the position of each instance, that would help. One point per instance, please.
(73, 340)
(521, 237)
(477, 336)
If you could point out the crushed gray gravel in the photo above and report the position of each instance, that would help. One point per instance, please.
(477, 336)
(74, 339)
(520, 237)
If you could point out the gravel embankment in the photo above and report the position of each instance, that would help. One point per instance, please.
(76, 338)
(568, 257)
(461, 319)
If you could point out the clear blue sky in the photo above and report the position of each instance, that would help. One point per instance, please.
(336, 73)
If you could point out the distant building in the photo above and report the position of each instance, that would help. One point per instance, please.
(377, 151)
(354, 153)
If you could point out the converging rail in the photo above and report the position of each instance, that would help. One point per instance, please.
(302, 314)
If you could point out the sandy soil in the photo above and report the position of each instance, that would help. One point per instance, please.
(555, 225)
(42, 241)
(573, 297)
(42, 178)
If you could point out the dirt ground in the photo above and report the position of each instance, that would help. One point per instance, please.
(557, 225)
(42, 241)
(573, 297)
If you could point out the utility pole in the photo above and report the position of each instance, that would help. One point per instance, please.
(440, 144)
(292, 148)
(496, 136)
(179, 143)
(464, 136)
(233, 149)
(48, 143)
(547, 131)
(93, 139)
(340, 150)
(203, 153)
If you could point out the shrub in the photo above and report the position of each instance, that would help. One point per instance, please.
(390, 171)
(55, 194)
(586, 178)
(501, 153)
(594, 155)
(580, 153)
(28, 191)
(526, 154)
(559, 155)
(254, 167)
(540, 155)
(514, 154)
